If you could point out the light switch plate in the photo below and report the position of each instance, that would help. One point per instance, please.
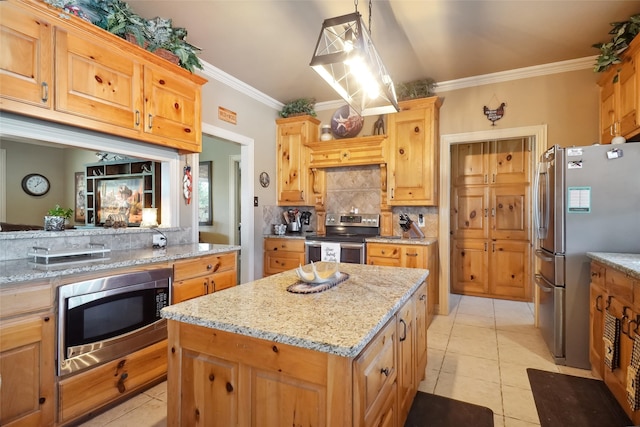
(420, 220)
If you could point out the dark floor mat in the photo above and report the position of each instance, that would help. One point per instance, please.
(431, 410)
(568, 401)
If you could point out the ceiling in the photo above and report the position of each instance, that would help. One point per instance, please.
(268, 44)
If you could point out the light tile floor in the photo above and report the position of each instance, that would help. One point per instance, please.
(478, 354)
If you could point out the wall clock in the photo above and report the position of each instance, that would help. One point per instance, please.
(35, 184)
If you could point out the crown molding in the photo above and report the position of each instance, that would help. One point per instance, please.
(211, 72)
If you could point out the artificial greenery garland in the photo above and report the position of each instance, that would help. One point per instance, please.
(623, 33)
(117, 17)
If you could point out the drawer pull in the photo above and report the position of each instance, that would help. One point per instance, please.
(404, 333)
(209, 266)
(598, 298)
(415, 254)
(385, 371)
(423, 297)
(121, 387)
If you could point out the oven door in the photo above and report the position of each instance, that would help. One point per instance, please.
(350, 252)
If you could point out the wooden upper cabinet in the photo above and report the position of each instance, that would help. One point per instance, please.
(172, 107)
(413, 153)
(470, 163)
(291, 157)
(97, 82)
(93, 79)
(620, 97)
(26, 62)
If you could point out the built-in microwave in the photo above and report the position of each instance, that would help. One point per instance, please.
(103, 319)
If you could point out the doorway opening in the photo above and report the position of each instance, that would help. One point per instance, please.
(538, 135)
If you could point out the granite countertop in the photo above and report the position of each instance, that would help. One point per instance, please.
(426, 241)
(628, 263)
(13, 271)
(340, 320)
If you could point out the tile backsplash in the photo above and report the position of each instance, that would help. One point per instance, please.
(357, 187)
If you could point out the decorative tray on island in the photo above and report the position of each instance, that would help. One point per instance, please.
(317, 281)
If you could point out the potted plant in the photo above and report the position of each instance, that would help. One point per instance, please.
(56, 218)
(299, 107)
(623, 33)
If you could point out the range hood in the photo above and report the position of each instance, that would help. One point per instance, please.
(368, 150)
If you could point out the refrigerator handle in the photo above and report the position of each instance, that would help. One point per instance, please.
(540, 254)
(543, 284)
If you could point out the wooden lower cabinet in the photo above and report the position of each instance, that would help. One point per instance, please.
(618, 294)
(27, 371)
(82, 393)
(410, 256)
(229, 379)
(281, 254)
(196, 277)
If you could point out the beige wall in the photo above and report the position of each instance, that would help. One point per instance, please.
(567, 103)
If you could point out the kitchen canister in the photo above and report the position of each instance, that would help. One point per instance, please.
(325, 133)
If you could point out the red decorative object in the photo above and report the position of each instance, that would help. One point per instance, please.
(494, 115)
(187, 181)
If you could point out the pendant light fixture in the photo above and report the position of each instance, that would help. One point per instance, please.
(346, 58)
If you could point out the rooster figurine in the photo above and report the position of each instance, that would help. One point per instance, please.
(494, 115)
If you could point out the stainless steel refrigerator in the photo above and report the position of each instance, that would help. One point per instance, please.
(586, 199)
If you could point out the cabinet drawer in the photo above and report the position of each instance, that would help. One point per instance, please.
(204, 266)
(620, 285)
(597, 274)
(383, 251)
(26, 298)
(277, 262)
(90, 390)
(375, 373)
(286, 245)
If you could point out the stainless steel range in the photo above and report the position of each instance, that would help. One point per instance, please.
(347, 230)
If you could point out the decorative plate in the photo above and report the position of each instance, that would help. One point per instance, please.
(264, 179)
(346, 123)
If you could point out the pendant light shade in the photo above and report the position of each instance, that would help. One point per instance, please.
(346, 58)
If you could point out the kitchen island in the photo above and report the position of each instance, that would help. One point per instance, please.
(257, 354)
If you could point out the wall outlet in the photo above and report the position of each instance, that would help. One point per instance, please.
(420, 220)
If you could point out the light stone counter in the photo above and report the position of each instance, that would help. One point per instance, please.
(340, 320)
(628, 263)
(13, 271)
(425, 241)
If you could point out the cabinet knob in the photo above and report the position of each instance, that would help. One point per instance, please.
(423, 297)
(209, 266)
(42, 400)
(385, 371)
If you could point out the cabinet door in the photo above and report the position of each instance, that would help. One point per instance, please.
(509, 217)
(421, 331)
(413, 256)
(629, 96)
(223, 280)
(26, 58)
(470, 212)
(95, 81)
(291, 159)
(406, 358)
(190, 288)
(509, 161)
(470, 163)
(172, 107)
(509, 269)
(608, 105)
(27, 371)
(597, 304)
(413, 161)
(471, 266)
(209, 390)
